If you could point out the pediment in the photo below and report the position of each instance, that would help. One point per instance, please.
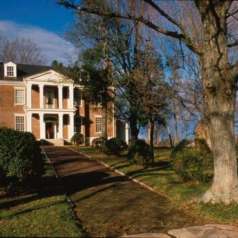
(50, 76)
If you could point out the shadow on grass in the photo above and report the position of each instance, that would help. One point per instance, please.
(110, 205)
(153, 169)
(77, 177)
(24, 211)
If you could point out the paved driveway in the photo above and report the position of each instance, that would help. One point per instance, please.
(108, 204)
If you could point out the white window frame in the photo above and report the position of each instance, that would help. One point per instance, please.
(24, 122)
(10, 71)
(14, 67)
(102, 126)
(24, 96)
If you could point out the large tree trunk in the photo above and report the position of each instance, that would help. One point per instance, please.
(219, 102)
(152, 127)
(134, 131)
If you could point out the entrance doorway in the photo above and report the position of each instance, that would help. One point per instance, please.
(50, 130)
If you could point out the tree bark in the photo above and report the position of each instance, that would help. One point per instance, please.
(133, 129)
(171, 142)
(152, 127)
(219, 100)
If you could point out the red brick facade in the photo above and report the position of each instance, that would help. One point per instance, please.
(89, 112)
(8, 109)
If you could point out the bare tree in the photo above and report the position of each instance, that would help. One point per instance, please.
(20, 50)
(153, 92)
(210, 38)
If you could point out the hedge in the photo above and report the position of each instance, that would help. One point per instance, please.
(20, 155)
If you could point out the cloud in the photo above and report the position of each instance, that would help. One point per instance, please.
(52, 45)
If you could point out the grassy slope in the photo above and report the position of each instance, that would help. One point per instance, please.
(37, 215)
(162, 178)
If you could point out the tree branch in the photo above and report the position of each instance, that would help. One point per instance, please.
(170, 19)
(232, 13)
(174, 34)
(233, 44)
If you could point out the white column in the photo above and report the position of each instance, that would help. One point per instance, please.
(60, 96)
(113, 122)
(55, 131)
(71, 96)
(29, 122)
(127, 133)
(42, 126)
(41, 86)
(28, 89)
(60, 115)
(71, 125)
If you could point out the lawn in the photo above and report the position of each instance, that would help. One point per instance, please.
(165, 181)
(111, 205)
(40, 213)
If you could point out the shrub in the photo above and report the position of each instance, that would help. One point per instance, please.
(98, 142)
(77, 139)
(140, 152)
(115, 146)
(179, 147)
(20, 155)
(44, 142)
(202, 146)
(193, 163)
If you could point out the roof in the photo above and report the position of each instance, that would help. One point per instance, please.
(24, 70)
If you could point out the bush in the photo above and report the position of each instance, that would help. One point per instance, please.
(44, 142)
(98, 142)
(179, 147)
(77, 139)
(193, 163)
(140, 152)
(115, 146)
(202, 146)
(20, 155)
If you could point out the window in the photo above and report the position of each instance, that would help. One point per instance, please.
(19, 96)
(20, 123)
(10, 71)
(99, 125)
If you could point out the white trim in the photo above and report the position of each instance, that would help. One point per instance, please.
(61, 78)
(13, 82)
(29, 122)
(71, 125)
(14, 66)
(113, 121)
(24, 95)
(101, 117)
(49, 110)
(20, 115)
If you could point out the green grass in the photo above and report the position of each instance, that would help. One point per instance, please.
(38, 214)
(165, 181)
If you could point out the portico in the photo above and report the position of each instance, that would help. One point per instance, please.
(50, 105)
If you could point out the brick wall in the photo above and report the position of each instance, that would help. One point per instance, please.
(36, 125)
(35, 97)
(7, 107)
(92, 111)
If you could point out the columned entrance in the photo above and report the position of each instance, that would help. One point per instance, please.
(51, 126)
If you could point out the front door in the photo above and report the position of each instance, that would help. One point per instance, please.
(50, 130)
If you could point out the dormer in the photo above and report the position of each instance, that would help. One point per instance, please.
(10, 70)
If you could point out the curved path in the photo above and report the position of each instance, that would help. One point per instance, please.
(108, 204)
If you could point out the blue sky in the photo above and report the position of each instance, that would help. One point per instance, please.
(43, 21)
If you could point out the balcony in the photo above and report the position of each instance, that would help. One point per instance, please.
(51, 96)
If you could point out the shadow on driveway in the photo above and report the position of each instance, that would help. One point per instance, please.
(109, 204)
